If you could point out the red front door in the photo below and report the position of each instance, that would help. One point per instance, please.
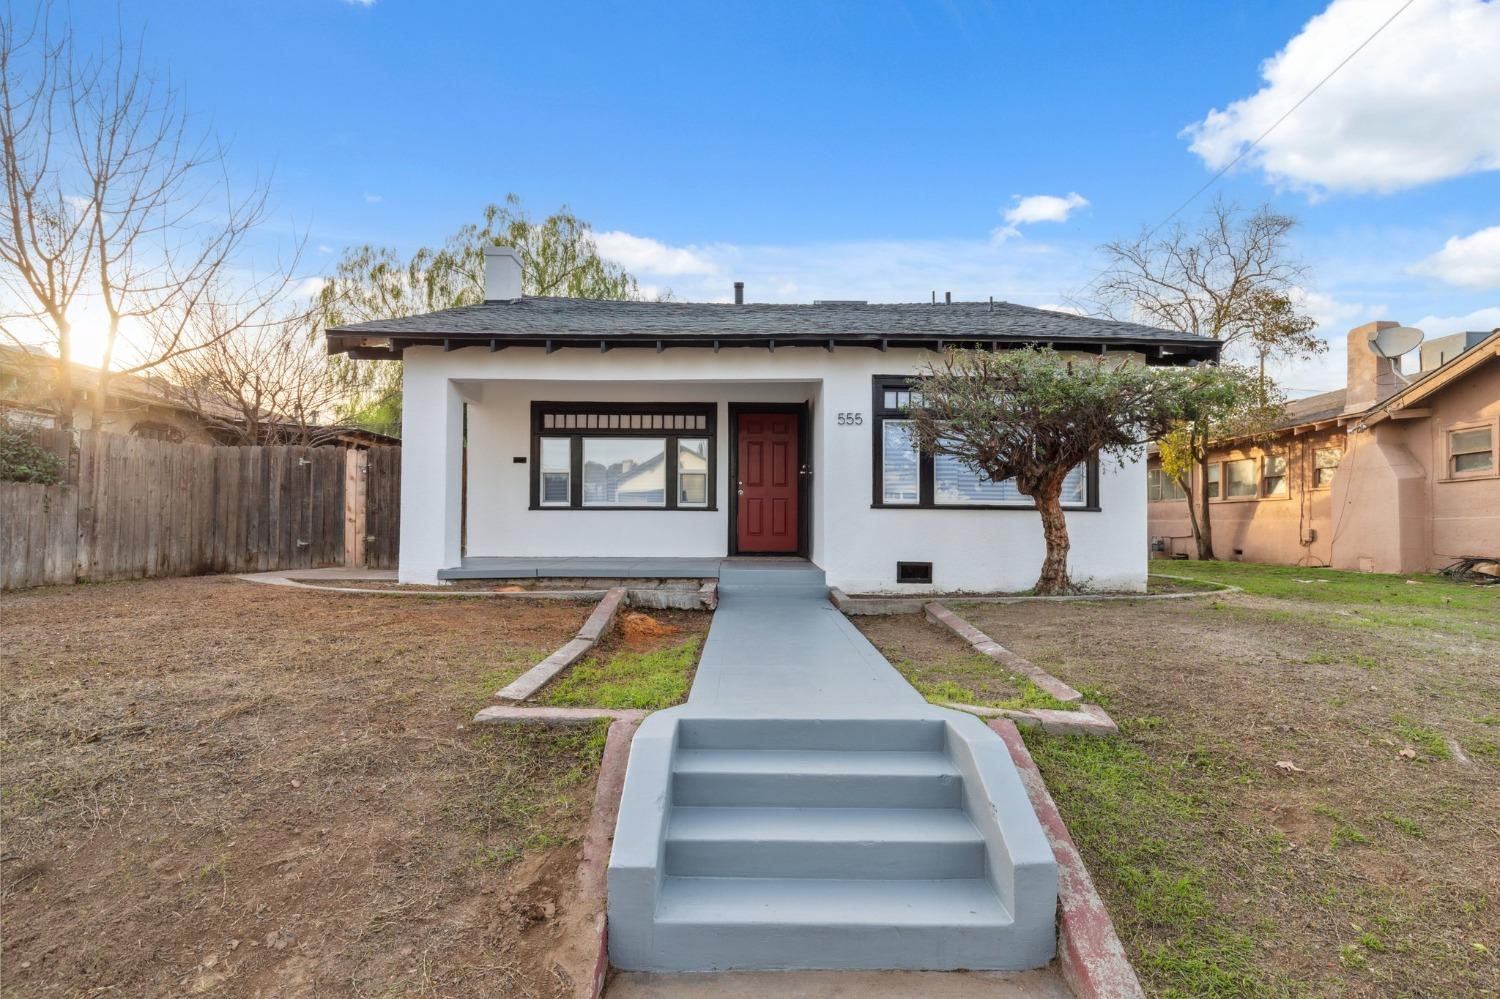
(767, 463)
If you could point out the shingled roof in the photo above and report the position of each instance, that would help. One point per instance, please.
(555, 323)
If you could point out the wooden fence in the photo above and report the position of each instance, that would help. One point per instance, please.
(132, 508)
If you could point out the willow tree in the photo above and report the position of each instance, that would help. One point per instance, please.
(1032, 415)
(558, 257)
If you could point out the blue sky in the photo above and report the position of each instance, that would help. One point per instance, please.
(870, 150)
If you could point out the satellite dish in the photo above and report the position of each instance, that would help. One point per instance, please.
(1394, 341)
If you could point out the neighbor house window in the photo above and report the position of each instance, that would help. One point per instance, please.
(623, 456)
(1211, 480)
(1239, 479)
(1325, 463)
(1273, 475)
(906, 477)
(1471, 451)
(1161, 486)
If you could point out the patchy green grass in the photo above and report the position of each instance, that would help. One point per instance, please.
(974, 679)
(1419, 590)
(1141, 822)
(644, 680)
(1358, 870)
(1424, 739)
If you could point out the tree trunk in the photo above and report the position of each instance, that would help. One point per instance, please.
(1204, 526)
(1054, 577)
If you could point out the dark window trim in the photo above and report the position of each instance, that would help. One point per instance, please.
(710, 431)
(804, 487)
(926, 478)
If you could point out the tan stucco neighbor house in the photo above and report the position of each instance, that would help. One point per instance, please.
(1389, 474)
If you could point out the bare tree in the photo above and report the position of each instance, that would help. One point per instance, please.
(1211, 280)
(1232, 279)
(259, 382)
(120, 200)
(47, 237)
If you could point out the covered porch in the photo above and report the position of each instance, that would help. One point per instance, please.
(607, 479)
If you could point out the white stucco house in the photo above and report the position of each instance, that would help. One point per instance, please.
(553, 427)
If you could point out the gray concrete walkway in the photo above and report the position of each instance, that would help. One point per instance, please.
(777, 647)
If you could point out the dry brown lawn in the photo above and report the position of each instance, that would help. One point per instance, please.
(216, 787)
(1306, 796)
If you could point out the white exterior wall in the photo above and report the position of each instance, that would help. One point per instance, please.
(857, 545)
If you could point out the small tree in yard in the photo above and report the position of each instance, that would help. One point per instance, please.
(1228, 401)
(1032, 415)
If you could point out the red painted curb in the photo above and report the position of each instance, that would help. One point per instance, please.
(1088, 949)
(593, 868)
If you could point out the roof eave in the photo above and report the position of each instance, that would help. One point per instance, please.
(390, 346)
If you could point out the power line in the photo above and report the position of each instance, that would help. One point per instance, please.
(1258, 139)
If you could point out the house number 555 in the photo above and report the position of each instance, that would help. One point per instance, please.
(851, 419)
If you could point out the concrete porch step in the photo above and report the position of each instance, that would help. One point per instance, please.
(815, 778)
(891, 734)
(839, 843)
(726, 923)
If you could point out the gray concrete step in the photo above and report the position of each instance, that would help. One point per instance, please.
(727, 923)
(890, 734)
(839, 843)
(815, 778)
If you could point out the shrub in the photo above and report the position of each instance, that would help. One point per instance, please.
(23, 459)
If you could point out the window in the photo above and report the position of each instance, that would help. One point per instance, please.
(1239, 479)
(1273, 475)
(692, 472)
(1325, 463)
(623, 456)
(557, 471)
(1211, 485)
(1471, 451)
(624, 471)
(1161, 486)
(900, 464)
(906, 477)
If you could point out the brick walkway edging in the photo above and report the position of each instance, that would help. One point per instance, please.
(1088, 719)
(594, 628)
(1089, 951)
(593, 864)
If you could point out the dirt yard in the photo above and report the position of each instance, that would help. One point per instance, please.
(216, 787)
(1306, 796)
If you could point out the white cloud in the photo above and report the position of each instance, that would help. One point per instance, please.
(308, 287)
(324, 248)
(1038, 208)
(1483, 320)
(373, 199)
(1472, 261)
(360, 3)
(649, 256)
(875, 270)
(1420, 103)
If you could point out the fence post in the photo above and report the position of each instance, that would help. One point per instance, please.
(356, 468)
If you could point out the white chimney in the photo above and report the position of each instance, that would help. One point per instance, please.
(502, 274)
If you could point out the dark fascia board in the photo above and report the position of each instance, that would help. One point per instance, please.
(1158, 352)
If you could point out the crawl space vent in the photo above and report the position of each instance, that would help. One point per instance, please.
(913, 572)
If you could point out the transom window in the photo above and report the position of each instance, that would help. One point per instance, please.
(904, 477)
(1471, 451)
(623, 456)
